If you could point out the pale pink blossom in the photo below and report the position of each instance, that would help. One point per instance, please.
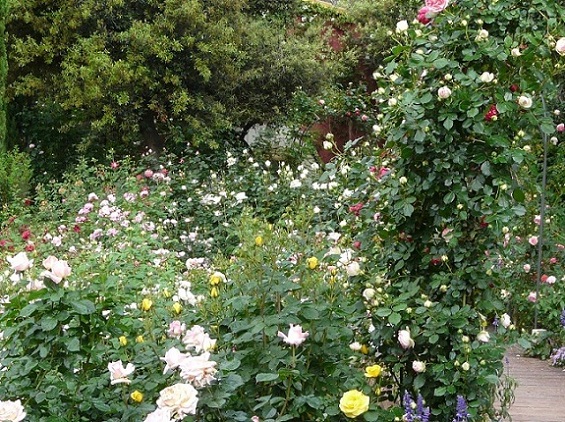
(49, 261)
(405, 339)
(20, 262)
(119, 374)
(159, 415)
(533, 240)
(176, 329)
(198, 370)
(419, 366)
(551, 279)
(196, 338)
(173, 358)
(533, 297)
(527, 268)
(180, 399)
(295, 335)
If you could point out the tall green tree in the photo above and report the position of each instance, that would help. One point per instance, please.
(3, 73)
(159, 71)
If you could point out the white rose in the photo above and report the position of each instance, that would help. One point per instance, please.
(505, 320)
(444, 92)
(483, 337)
(12, 411)
(419, 366)
(465, 366)
(20, 262)
(368, 293)
(159, 415)
(524, 101)
(486, 77)
(560, 46)
(49, 261)
(198, 370)
(173, 358)
(353, 269)
(482, 35)
(392, 102)
(404, 339)
(180, 399)
(119, 374)
(402, 26)
(516, 52)
(61, 269)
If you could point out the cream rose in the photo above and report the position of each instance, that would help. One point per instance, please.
(560, 46)
(20, 262)
(12, 411)
(524, 101)
(444, 92)
(354, 403)
(180, 399)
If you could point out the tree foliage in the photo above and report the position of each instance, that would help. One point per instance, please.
(159, 71)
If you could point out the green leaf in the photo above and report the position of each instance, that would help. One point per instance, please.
(383, 312)
(73, 345)
(419, 381)
(84, 307)
(449, 198)
(394, 318)
(440, 391)
(48, 323)
(448, 124)
(230, 365)
(265, 377)
(408, 210)
(485, 168)
(518, 195)
(441, 63)
(28, 310)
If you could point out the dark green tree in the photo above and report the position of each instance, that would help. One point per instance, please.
(3, 73)
(155, 72)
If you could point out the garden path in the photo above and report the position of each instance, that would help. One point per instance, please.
(540, 394)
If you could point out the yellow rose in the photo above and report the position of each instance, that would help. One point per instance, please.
(177, 307)
(354, 403)
(139, 339)
(364, 349)
(146, 304)
(216, 278)
(214, 292)
(123, 340)
(137, 396)
(312, 262)
(373, 371)
(259, 241)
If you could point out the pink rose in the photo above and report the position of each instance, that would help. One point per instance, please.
(533, 240)
(560, 127)
(295, 335)
(425, 15)
(436, 6)
(532, 297)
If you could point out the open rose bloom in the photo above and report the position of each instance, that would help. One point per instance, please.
(12, 411)
(295, 335)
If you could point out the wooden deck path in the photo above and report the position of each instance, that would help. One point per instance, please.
(540, 394)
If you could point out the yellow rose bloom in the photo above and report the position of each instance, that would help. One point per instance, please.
(259, 241)
(146, 304)
(214, 292)
(139, 339)
(373, 371)
(123, 340)
(312, 262)
(137, 396)
(354, 403)
(364, 349)
(177, 307)
(217, 278)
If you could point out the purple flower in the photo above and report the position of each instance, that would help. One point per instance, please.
(461, 413)
(408, 411)
(423, 412)
(562, 319)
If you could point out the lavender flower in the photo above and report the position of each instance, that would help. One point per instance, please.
(423, 412)
(408, 411)
(558, 357)
(562, 319)
(461, 413)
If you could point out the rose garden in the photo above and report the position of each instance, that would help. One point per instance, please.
(394, 227)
